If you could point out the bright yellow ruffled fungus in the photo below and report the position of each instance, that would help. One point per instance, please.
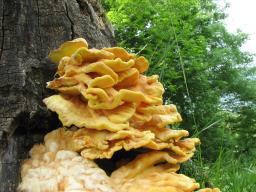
(67, 49)
(99, 144)
(120, 52)
(106, 104)
(74, 111)
(145, 173)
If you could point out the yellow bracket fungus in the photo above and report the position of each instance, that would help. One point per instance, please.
(106, 104)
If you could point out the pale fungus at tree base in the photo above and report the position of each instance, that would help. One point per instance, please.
(106, 104)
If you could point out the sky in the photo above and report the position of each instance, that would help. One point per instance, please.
(242, 15)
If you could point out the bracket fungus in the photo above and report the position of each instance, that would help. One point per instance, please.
(106, 104)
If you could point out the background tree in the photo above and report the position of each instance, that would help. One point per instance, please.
(29, 29)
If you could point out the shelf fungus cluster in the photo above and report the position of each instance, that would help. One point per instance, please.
(106, 105)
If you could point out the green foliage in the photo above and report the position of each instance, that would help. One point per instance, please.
(200, 64)
(227, 172)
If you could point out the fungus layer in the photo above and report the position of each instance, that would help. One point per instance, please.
(59, 171)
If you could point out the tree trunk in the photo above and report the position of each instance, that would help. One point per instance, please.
(29, 30)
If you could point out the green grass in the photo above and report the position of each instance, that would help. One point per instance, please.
(228, 173)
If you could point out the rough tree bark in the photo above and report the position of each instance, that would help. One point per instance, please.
(28, 30)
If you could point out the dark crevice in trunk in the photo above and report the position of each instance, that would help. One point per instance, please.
(84, 5)
(71, 22)
(80, 4)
